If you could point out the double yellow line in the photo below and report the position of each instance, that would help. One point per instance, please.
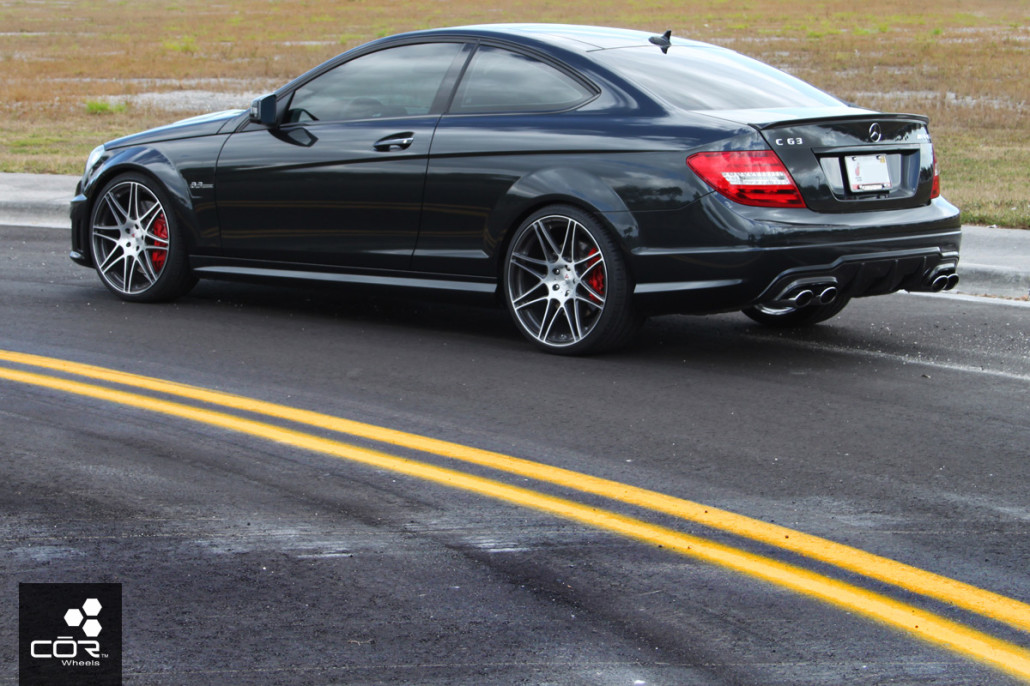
(1005, 656)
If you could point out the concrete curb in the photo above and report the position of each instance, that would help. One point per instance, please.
(994, 262)
(36, 199)
(983, 279)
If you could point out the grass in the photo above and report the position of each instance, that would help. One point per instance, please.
(101, 107)
(72, 71)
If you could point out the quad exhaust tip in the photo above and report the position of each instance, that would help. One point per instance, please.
(802, 298)
(803, 295)
(828, 295)
(823, 291)
(944, 282)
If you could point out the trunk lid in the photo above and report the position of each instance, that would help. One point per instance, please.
(856, 162)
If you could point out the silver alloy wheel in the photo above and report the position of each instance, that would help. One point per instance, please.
(130, 239)
(557, 281)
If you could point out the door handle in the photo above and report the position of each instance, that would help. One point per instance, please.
(398, 141)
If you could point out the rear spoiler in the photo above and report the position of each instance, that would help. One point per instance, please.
(844, 118)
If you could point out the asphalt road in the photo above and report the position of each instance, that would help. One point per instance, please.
(900, 429)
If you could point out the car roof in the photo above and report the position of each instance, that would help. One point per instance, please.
(572, 36)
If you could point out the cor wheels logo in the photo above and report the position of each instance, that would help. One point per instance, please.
(70, 634)
(65, 648)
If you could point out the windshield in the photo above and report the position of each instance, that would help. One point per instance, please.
(711, 78)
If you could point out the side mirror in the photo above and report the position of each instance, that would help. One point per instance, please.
(262, 110)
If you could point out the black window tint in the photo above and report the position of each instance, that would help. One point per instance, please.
(500, 80)
(712, 79)
(395, 82)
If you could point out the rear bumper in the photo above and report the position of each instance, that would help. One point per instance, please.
(859, 255)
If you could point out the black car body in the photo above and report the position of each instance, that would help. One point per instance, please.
(588, 176)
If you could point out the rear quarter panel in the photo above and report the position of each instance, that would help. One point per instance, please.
(488, 172)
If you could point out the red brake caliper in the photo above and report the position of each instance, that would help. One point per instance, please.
(160, 228)
(595, 277)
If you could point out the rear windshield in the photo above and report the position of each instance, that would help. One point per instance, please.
(703, 78)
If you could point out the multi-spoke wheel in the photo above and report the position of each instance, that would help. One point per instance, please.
(567, 285)
(135, 244)
(795, 316)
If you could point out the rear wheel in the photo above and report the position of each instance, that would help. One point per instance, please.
(137, 246)
(566, 284)
(795, 316)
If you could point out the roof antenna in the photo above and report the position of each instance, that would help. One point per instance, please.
(663, 41)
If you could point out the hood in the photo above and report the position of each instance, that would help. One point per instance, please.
(194, 127)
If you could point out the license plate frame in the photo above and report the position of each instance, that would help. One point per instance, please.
(868, 173)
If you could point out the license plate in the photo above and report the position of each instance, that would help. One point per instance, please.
(867, 173)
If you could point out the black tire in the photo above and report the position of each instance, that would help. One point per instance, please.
(787, 317)
(137, 245)
(566, 284)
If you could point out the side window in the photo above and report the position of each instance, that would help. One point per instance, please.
(395, 82)
(500, 80)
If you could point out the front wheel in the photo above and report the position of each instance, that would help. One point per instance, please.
(566, 284)
(795, 316)
(137, 247)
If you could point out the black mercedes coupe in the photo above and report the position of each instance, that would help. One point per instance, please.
(585, 177)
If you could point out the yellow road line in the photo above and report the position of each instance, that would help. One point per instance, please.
(966, 596)
(927, 626)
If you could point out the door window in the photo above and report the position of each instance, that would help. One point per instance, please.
(396, 82)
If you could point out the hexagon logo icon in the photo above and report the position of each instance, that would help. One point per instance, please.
(91, 628)
(73, 617)
(92, 607)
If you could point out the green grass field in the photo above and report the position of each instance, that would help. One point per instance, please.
(74, 73)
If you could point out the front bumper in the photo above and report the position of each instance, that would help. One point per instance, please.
(80, 253)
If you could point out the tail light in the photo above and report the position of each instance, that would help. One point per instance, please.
(753, 177)
(935, 190)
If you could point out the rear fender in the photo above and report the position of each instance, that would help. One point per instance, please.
(559, 185)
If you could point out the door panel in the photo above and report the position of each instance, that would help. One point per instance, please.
(340, 181)
(347, 193)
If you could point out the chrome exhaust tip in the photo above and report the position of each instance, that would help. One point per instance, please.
(802, 298)
(805, 292)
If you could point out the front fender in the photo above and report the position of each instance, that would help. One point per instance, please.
(148, 161)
